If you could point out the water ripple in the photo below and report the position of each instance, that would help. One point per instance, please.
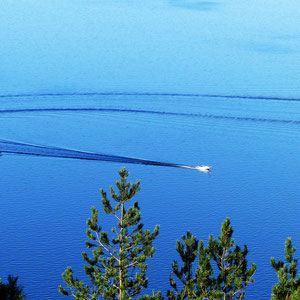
(141, 111)
(153, 94)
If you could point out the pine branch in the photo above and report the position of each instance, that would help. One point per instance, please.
(131, 265)
(102, 245)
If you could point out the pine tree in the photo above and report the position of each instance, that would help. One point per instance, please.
(11, 290)
(188, 251)
(117, 269)
(222, 269)
(288, 286)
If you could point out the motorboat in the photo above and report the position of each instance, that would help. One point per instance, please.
(204, 169)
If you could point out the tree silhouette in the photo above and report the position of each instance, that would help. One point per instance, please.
(11, 290)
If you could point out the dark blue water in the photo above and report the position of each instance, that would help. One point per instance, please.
(180, 82)
(254, 154)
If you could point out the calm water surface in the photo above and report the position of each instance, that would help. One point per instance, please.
(227, 48)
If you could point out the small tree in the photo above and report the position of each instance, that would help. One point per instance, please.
(188, 251)
(288, 286)
(226, 279)
(117, 269)
(11, 290)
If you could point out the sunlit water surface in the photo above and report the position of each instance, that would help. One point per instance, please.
(225, 48)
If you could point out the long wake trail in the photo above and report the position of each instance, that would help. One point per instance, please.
(153, 94)
(152, 112)
(47, 151)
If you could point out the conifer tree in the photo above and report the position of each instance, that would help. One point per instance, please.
(117, 269)
(11, 290)
(188, 251)
(221, 272)
(288, 286)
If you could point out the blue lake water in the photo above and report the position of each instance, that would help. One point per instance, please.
(61, 55)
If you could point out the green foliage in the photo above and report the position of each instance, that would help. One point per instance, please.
(11, 290)
(227, 278)
(296, 294)
(117, 269)
(188, 251)
(288, 286)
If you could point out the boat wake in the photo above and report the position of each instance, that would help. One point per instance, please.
(225, 96)
(152, 112)
(47, 151)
